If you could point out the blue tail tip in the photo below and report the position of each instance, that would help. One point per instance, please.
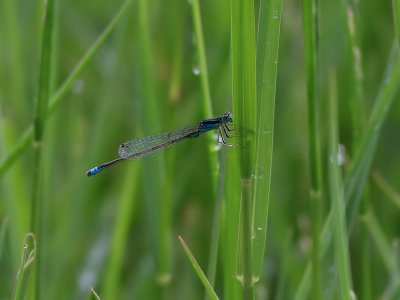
(93, 171)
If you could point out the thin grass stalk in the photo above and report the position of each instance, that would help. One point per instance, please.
(37, 216)
(379, 239)
(310, 17)
(199, 271)
(268, 34)
(387, 189)
(366, 275)
(156, 185)
(244, 97)
(361, 164)
(28, 256)
(363, 158)
(94, 295)
(124, 216)
(120, 234)
(246, 231)
(212, 154)
(355, 72)
(337, 197)
(58, 97)
(387, 252)
(230, 227)
(216, 223)
(20, 276)
(356, 77)
(202, 59)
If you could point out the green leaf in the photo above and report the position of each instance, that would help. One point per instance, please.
(198, 270)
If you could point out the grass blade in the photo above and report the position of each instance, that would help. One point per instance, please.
(230, 236)
(28, 256)
(201, 52)
(120, 234)
(94, 295)
(59, 95)
(311, 29)
(20, 276)
(337, 197)
(379, 239)
(156, 183)
(45, 74)
(39, 121)
(212, 154)
(198, 270)
(360, 167)
(356, 76)
(267, 63)
(244, 98)
(386, 188)
(362, 162)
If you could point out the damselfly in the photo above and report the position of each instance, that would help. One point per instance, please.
(150, 144)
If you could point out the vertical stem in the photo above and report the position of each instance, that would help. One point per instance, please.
(358, 124)
(366, 284)
(337, 197)
(361, 164)
(310, 14)
(37, 217)
(244, 96)
(268, 34)
(156, 185)
(356, 77)
(212, 154)
(248, 291)
(205, 87)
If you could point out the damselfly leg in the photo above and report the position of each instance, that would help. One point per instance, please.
(222, 135)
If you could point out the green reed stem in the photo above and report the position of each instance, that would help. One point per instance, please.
(311, 27)
(39, 122)
(58, 96)
(244, 97)
(337, 197)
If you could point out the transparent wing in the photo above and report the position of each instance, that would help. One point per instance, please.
(150, 144)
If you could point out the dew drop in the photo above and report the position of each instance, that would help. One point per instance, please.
(258, 173)
(341, 155)
(265, 130)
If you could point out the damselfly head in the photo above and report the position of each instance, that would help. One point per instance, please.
(227, 117)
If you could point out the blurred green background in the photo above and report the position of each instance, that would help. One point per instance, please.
(152, 54)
